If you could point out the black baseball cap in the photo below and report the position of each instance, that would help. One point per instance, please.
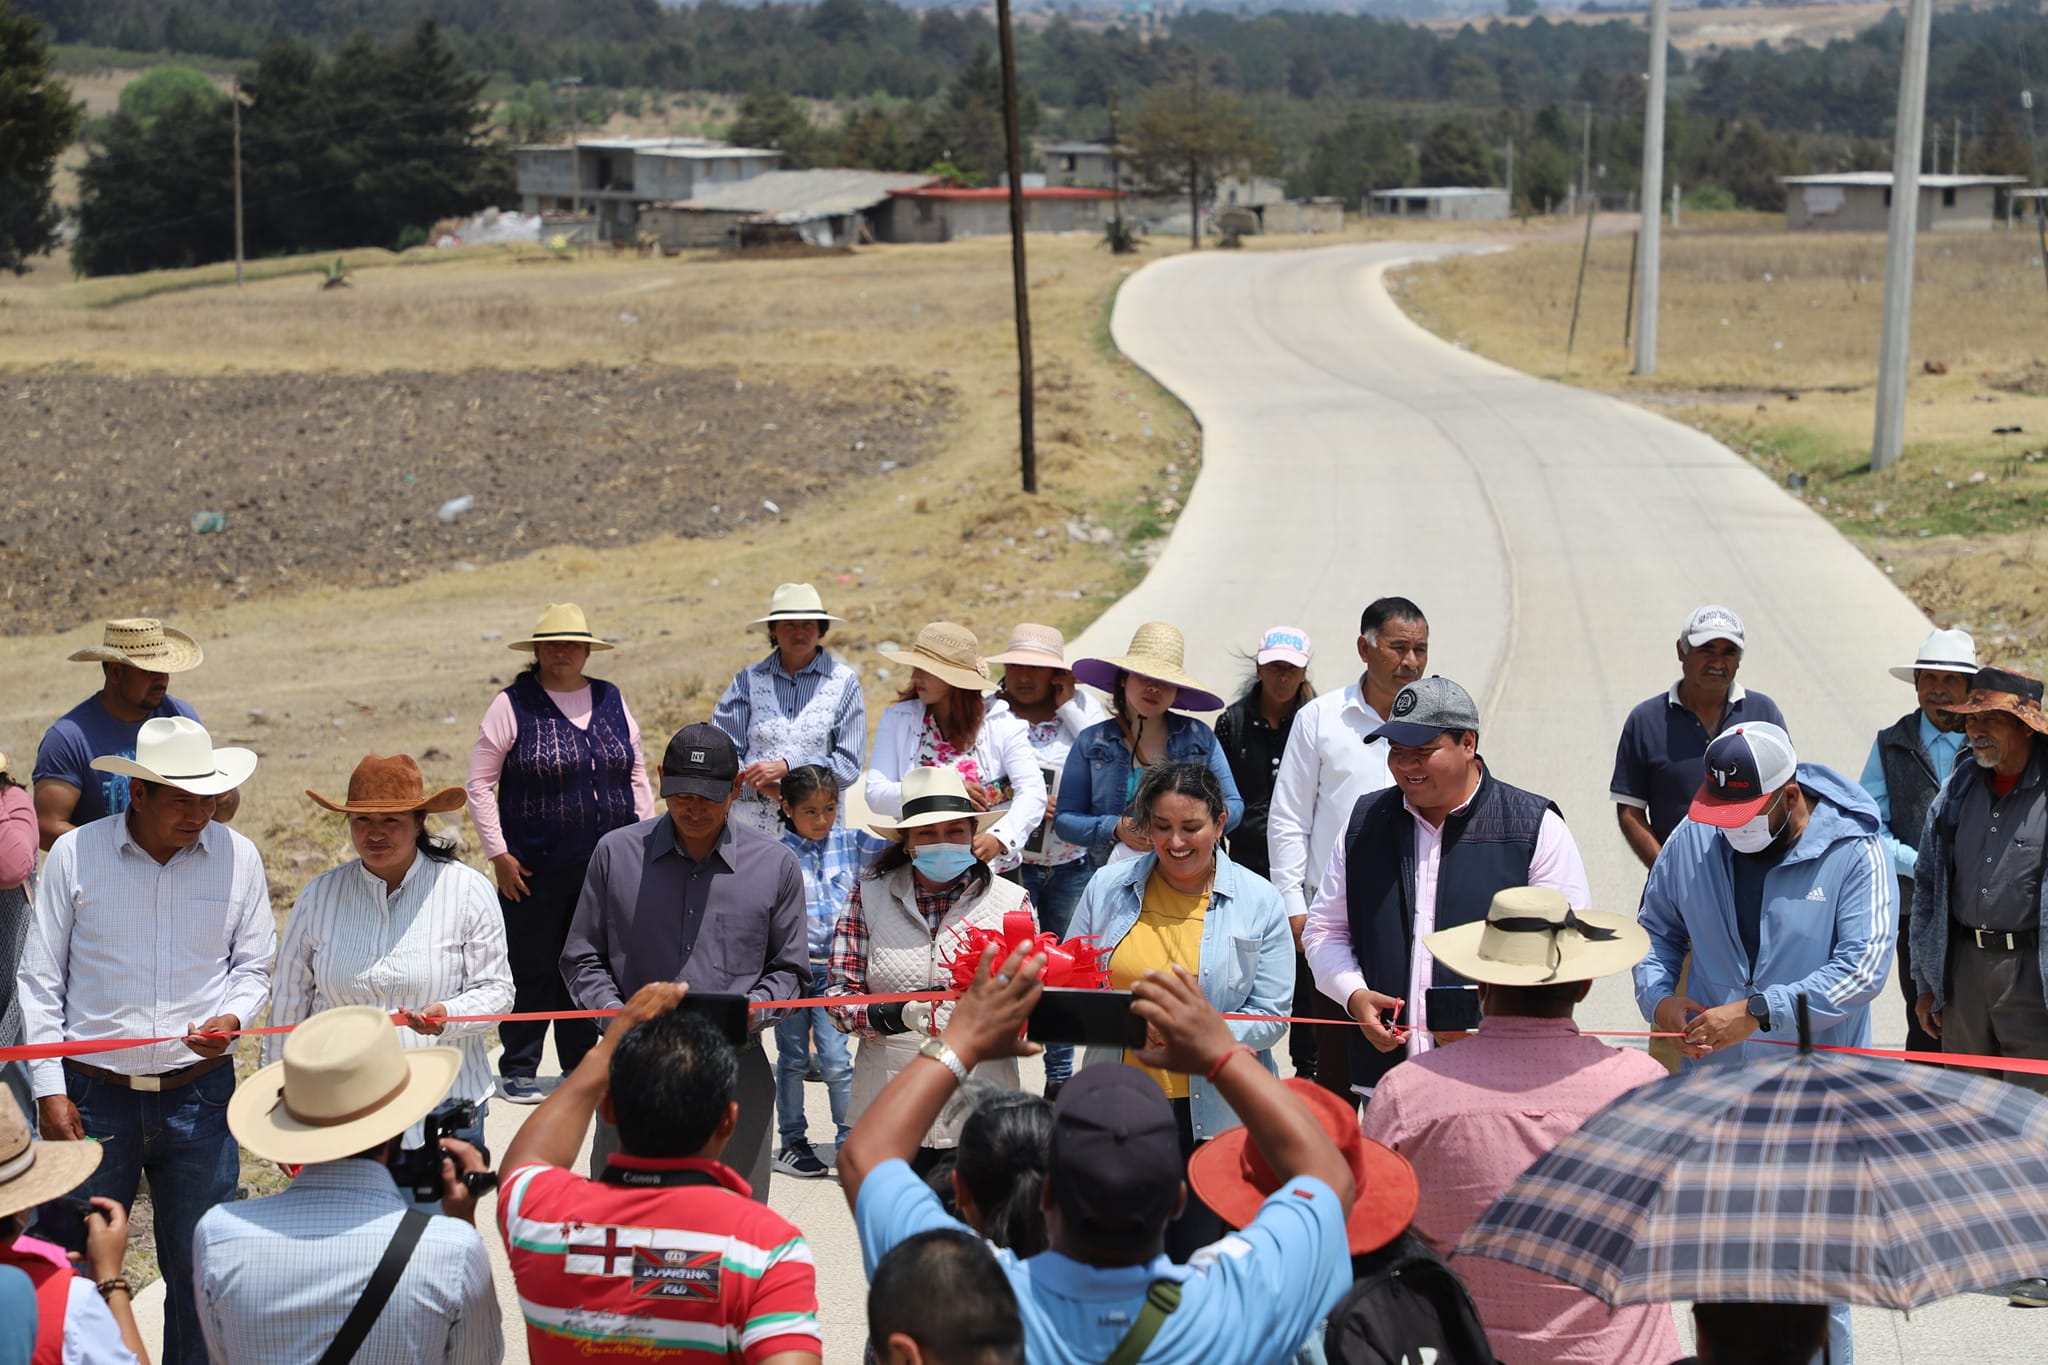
(1115, 1164)
(701, 761)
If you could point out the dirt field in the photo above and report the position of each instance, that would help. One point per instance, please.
(1704, 31)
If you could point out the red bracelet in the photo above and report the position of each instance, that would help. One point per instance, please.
(1224, 1061)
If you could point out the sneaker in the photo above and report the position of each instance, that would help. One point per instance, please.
(1053, 1088)
(802, 1163)
(521, 1090)
(814, 1076)
(2029, 1293)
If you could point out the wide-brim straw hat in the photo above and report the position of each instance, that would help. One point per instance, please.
(2008, 690)
(562, 623)
(1158, 651)
(948, 651)
(932, 796)
(143, 642)
(1531, 936)
(33, 1172)
(1033, 646)
(796, 602)
(392, 786)
(345, 1085)
(177, 751)
(1945, 651)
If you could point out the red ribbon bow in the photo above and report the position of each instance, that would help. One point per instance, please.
(1078, 964)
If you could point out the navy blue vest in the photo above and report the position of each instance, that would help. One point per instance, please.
(1488, 847)
(562, 788)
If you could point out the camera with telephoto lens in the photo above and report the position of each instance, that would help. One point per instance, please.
(418, 1169)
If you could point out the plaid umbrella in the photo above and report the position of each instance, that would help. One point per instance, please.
(1806, 1178)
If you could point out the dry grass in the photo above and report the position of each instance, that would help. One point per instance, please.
(1705, 31)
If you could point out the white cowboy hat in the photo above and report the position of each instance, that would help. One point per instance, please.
(1157, 651)
(1531, 936)
(949, 652)
(143, 642)
(1034, 646)
(33, 1172)
(1945, 651)
(177, 751)
(796, 602)
(932, 796)
(345, 1085)
(561, 623)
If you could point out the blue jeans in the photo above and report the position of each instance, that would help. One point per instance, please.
(795, 1031)
(1055, 893)
(180, 1140)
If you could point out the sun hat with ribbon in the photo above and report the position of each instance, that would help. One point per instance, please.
(1945, 651)
(932, 796)
(391, 786)
(796, 602)
(345, 1085)
(33, 1172)
(1033, 646)
(561, 623)
(1159, 652)
(2008, 690)
(177, 751)
(1233, 1177)
(1531, 936)
(949, 652)
(143, 642)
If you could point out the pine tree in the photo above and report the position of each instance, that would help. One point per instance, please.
(38, 119)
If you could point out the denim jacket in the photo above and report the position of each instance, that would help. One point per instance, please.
(1247, 962)
(1095, 784)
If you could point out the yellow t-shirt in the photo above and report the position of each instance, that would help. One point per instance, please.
(1169, 930)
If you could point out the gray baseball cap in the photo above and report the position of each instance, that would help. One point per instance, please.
(1425, 709)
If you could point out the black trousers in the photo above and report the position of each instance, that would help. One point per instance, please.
(1301, 1038)
(1198, 1224)
(535, 930)
(1917, 1039)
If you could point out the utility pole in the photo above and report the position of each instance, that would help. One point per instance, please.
(1511, 175)
(236, 95)
(1013, 153)
(1652, 196)
(1934, 152)
(1888, 437)
(573, 85)
(1116, 163)
(1955, 149)
(1194, 163)
(1586, 154)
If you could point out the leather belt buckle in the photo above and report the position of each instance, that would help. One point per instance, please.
(149, 1083)
(1994, 938)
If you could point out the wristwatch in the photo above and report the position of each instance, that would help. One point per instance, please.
(936, 1049)
(1760, 1010)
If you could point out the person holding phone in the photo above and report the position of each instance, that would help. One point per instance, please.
(1186, 904)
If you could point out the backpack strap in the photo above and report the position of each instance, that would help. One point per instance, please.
(377, 1292)
(1161, 1298)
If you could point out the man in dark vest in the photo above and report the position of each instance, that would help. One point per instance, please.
(1425, 854)
(1907, 765)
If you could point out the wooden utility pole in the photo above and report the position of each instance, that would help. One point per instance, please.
(1116, 173)
(1013, 151)
(236, 95)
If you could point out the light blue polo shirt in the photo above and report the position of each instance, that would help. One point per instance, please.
(1250, 1298)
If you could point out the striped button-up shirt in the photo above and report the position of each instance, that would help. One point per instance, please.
(126, 947)
(277, 1277)
(437, 940)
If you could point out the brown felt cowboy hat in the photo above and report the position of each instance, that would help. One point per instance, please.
(143, 642)
(346, 1084)
(33, 1172)
(561, 624)
(2005, 689)
(391, 786)
(949, 652)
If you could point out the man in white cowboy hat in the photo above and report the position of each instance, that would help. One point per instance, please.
(279, 1278)
(1471, 1118)
(798, 705)
(154, 923)
(136, 659)
(1909, 761)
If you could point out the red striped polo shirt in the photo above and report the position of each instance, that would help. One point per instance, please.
(646, 1271)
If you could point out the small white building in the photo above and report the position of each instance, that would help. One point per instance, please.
(1861, 201)
(1473, 203)
(613, 178)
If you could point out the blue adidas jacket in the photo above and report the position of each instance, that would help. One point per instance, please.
(1830, 916)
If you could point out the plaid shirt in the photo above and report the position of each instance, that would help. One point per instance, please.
(831, 866)
(849, 963)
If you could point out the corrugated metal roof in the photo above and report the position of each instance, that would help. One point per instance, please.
(791, 195)
(1437, 192)
(715, 152)
(1883, 180)
(1002, 192)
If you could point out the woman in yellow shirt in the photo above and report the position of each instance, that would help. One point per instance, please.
(1186, 904)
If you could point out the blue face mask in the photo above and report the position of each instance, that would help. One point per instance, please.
(943, 862)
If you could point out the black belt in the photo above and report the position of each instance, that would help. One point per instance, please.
(2000, 940)
(168, 1080)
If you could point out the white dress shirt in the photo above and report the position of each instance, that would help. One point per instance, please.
(276, 1277)
(125, 947)
(1327, 765)
(437, 940)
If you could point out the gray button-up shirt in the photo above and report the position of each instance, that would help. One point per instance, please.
(1999, 845)
(732, 923)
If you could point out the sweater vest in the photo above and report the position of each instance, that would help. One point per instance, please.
(1910, 781)
(564, 788)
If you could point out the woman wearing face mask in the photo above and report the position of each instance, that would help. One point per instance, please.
(1186, 904)
(1146, 686)
(901, 928)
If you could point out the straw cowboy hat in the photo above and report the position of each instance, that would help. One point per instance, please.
(177, 751)
(32, 1172)
(932, 796)
(2005, 689)
(1945, 651)
(143, 642)
(345, 1085)
(796, 602)
(949, 652)
(561, 623)
(391, 786)
(1531, 936)
(1033, 646)
(1158, 652)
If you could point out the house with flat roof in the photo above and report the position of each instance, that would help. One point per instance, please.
(1861, 201)
(611, 179)
(1475, 203)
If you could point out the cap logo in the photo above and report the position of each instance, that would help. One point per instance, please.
(1722, 776)
(1404, 703)
(696, 755)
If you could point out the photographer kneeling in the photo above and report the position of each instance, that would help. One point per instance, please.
(340, 1265)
